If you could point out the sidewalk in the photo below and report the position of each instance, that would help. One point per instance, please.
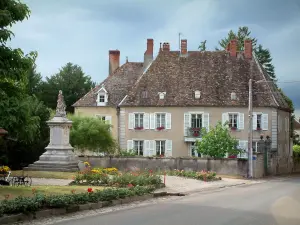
(186, 186)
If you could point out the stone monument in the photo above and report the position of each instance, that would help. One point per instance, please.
(59, 155)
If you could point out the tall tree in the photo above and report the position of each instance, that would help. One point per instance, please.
(22, 115)
(34, 80)
(72, 81)
(263, 54)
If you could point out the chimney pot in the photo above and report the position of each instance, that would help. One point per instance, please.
(114, 60)
(233, 47)
(183, 47)
(248, 49)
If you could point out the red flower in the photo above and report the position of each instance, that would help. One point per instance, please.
(89, 190)
(130, 185)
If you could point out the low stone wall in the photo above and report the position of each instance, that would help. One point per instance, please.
(235, 167)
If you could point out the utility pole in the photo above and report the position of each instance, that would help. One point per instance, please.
(179, 34)
(250, 133)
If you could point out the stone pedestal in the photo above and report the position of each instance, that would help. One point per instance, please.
(59, 155)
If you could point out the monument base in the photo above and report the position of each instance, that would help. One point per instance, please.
(62, 160)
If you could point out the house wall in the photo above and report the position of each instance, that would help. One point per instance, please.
(176, 133)
(103, 111)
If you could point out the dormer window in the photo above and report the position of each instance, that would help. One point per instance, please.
(233, 96)
(161, 95)
(197, 94)
(102, 97)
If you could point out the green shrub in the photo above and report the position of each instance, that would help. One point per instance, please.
(296, 149)
(144, 178)
(201, 175)
(39, 201)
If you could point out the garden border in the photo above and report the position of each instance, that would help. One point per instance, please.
(7, 219)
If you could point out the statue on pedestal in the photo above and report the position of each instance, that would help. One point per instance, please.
(61, 106)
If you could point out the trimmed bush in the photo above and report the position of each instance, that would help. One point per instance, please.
(39, 201)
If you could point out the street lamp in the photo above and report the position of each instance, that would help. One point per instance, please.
(250, 131)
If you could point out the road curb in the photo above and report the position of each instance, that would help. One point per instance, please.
(8, 219)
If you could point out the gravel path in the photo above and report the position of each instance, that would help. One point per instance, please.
(185, 185)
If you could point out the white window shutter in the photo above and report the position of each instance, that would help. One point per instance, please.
(187, 123)
(106, 97)
(130, 121)
(243, 145)
(264, 121)
(241, 123)
(279, 123)
(168, 121)
(254, 121)
(152, 121)
(168, 148)
(146, 120)
(146, 148)
(152, 148)
(225, 118)
(206, 121)
(129, 145)
(108, 119)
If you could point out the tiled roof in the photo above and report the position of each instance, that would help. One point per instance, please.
(117, 85)
(216, 74)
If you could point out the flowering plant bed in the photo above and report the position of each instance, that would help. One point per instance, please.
(199, 175)
(4, 170)
(97, 177)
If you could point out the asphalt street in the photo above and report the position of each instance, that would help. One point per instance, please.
(275, 202)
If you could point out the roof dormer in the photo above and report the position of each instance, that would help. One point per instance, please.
(102, 97)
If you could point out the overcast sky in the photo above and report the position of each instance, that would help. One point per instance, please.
(82, 32)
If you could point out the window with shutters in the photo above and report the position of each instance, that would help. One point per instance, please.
(160, 148)
(196, 121)
(139, 147)
(138, 121)
(101, 117)
(160, 121)
(233, 120)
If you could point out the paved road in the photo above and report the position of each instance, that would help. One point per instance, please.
(275, 202)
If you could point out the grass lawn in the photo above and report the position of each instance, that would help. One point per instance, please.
(47, 190)
(45, 174)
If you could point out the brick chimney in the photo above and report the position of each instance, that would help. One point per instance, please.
(166, 47)
(233, 48)
(148, 56)
(248, 49)
(183, 47)
(114, 60)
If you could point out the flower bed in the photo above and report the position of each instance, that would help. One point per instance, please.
(40, 201)
(4, 170)
(199, 175)
(114, 178)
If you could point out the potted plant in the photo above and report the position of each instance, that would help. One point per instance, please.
(258, 128)
(160, 128)
(4, 170)
(139, 128)
(233, 128)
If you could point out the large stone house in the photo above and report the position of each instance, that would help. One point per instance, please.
(158, 107)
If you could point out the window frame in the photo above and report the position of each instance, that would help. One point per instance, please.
(259, 121)
(140, 144)
(201, 120)
(161, 146)
(159, 120)
(231, 120)
(100, 96)
(140, 120)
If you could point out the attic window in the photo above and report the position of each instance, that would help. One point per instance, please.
(101, 98)
(233, 96)
(197, 94)
(162, 95)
